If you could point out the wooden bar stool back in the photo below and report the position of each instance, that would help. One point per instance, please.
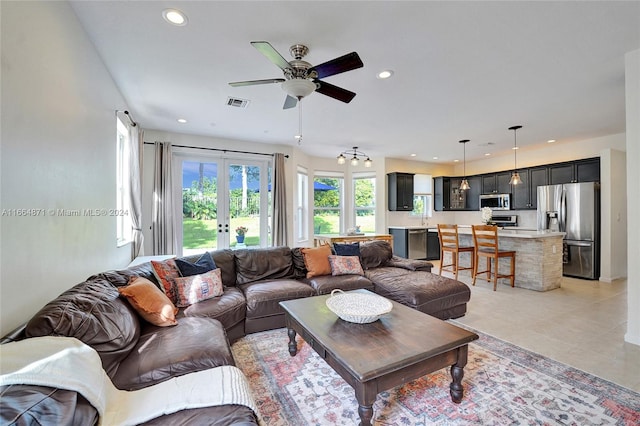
(449, 243)
(485, 238)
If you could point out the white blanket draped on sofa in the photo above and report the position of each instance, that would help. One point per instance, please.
(67, 363)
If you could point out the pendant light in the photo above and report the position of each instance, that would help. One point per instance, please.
(355, 160)
(515, 176)
(464, 184)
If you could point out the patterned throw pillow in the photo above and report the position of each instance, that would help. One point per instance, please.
(150, 302)
(165, 272)
(196, 288)
(345, 265)
(316, 260)
(204, 264)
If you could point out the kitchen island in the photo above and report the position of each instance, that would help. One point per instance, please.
(538, 256)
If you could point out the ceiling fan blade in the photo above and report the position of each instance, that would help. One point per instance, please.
(254, 82)
(290, 102)
(348, 62)
(335, 92)
(272, 54)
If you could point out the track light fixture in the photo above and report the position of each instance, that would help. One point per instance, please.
(355, 160)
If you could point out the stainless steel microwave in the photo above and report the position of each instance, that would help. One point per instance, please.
(496, 201)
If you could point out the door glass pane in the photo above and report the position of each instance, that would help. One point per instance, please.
(244, 205)
(199, 207)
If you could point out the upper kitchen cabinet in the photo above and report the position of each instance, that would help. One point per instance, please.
(525, 196)
(473, 193)
(441, 193)
(400, 191)
(587, 170)
(496, 183)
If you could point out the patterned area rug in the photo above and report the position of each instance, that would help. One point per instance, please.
(503, 385)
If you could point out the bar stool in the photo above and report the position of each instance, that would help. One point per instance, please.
(449, 242)
(485, 238)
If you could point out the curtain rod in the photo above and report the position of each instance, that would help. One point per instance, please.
(125, 112)
(218, 149)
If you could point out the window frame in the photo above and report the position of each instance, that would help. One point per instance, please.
(302, 205)
(340, 208)
(362, 176)
(124, 231)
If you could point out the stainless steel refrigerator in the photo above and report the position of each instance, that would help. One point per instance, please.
(574, 208)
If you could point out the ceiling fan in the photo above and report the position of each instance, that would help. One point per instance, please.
(301, 78)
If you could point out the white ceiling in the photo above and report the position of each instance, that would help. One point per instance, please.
(463, 70)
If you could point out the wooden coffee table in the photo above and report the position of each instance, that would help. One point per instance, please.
(403, 345)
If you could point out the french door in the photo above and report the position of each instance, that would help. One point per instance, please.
(220, 202)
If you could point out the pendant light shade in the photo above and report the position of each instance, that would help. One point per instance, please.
(515, 176)
(464, 184)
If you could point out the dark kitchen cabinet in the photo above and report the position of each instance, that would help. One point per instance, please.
(525, 196)
(400, 191)
(433, 244)
(473, 193)
(400, 242)
(496, 183)
(587, 170)
(441, 193)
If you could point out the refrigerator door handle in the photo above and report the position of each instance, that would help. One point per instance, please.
(563, 212)
(579, 244)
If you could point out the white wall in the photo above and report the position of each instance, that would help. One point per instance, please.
(613, 221)
(58, 152)
(632, 90)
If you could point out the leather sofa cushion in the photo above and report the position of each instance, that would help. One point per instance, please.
(263, 296)
(94, 313)
(229, 309)
(43, 405)
(326, 283)
(410, 264)
(374, 254)
(424, 291)
(222, 415)
(161, 353)
(224, 260)
(263, 264)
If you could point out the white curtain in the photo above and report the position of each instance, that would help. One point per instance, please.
(279, 219)
(164, 239)
(136, 139)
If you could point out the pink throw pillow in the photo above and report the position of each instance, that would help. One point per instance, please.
(196, 288)
(345, 265)
(165, 272)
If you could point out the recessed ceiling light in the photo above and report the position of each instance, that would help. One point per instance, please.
(412, 155)
(487, 154)
(551, 141)
(175, 17)
(385, 74)
(182, 120)
(435, 158)
(456, 161)
(516, 147)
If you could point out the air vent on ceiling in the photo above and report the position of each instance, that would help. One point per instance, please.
(237, 102)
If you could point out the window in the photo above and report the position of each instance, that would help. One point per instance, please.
(364, 202)
(123, 176)
(327, 204)
(302, 226)
(423, 196)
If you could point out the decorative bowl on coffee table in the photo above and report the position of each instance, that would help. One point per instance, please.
(358, 307)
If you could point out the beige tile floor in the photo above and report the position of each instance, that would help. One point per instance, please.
(581, 324)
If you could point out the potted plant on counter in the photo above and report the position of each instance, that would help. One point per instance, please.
(240, 231)
(487, 214)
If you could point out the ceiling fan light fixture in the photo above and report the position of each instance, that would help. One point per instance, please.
(298, 88)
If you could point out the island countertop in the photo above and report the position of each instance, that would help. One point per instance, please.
(516, 233)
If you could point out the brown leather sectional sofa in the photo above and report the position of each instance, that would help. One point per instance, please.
(136, 354)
